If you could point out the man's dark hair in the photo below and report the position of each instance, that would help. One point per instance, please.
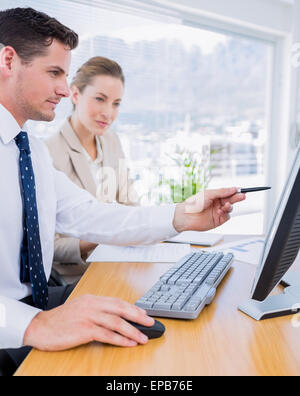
(31, 32)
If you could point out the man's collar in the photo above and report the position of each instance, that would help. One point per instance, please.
(9, 127)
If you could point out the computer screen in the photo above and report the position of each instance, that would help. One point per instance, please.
(283, 239)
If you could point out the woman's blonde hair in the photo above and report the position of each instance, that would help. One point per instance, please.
(94, 67)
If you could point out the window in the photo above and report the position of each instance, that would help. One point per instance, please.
(297, 123)
(185, 87)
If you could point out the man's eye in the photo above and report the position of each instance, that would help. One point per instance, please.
(99, 99)
(54, 72)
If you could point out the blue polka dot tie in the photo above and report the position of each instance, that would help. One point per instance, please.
(32, 268)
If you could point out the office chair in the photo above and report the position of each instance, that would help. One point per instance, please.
(56, 279)
(7, 365)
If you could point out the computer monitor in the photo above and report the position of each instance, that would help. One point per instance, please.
(280, 251)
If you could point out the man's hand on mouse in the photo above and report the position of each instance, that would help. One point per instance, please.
(86, 319)
(206, 210)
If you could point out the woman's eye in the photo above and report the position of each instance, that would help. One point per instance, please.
(54, 72)
(117, 104)
(99, 99)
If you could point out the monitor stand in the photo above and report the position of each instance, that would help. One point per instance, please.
(287, 303)
(291, 278)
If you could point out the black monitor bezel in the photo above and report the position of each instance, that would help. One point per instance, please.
(267, 274)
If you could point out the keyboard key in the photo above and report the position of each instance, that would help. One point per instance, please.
(165, 288)
(163, 306)
(191, 307)
(145, 304)
(183, 281)
(180, 302)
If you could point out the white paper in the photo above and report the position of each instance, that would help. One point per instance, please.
(160, 253)
(197, 238)
(247, 250)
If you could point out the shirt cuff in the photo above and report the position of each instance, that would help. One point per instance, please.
(77, 254)
(162, 218)
(15, 317)
(67, 251)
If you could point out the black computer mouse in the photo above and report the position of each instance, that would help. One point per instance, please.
(155, 331)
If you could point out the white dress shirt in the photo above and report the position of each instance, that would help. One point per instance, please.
(95, 165)
(62, 207)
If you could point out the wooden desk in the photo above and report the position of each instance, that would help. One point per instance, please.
(222, 341)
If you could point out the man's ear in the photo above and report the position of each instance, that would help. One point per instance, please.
(7, 58)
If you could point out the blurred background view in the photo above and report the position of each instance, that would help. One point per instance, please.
(191, 92)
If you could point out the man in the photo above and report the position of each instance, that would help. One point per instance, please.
(36, 200)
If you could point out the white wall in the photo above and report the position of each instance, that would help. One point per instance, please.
(295, 84)
(275, 16)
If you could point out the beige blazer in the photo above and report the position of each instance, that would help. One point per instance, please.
(67, 153)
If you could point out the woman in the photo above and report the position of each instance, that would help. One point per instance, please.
(88, 152)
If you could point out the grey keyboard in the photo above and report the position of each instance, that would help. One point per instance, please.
(184, 290)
